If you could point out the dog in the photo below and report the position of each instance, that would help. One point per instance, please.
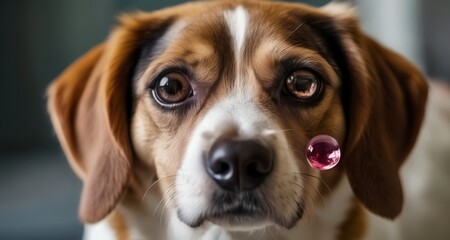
(191, 122)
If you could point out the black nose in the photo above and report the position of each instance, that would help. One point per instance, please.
(239, 165)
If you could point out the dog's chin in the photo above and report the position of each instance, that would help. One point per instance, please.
(240, 223)
(247, 214)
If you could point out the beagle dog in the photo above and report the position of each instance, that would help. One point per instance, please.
(191, 122)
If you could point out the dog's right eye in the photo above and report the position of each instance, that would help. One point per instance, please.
(172, 89)
(302, 85)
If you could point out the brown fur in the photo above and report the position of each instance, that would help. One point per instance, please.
(373, 104)
(119, 226)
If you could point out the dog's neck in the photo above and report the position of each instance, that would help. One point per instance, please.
(341, 216)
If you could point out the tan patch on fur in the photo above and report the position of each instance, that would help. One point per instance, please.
(119, 226)
(340, 10)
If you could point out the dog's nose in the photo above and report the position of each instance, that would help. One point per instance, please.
(239, 165)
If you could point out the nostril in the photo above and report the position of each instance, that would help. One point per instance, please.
(258, 168)
(252, 170)
(219, 164)
(220, 167)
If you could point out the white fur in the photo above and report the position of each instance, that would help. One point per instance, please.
(237, 21)
(147, 221)
(335, 211)
(168, 37)
(100, 230)
(143, 224)
(236, 113)
(340, 10)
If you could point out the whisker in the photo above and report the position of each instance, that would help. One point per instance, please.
(171, 197)
(153, 184)
(309, 216)
(306, 177)
(317, 190)
(304, 190)
(302, 203)
(165, 210)
(167, 191)
(320, 179)
(313, 176)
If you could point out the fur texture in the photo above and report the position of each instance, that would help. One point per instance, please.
(141, 161)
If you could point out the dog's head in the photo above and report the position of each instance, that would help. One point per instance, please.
(219, 100)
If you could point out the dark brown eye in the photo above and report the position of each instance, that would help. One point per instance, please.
(302, 85)
(172, 88)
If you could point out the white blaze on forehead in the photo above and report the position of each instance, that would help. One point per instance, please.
(237, 20)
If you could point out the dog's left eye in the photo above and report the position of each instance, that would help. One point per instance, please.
(172, 88)
(302, 85)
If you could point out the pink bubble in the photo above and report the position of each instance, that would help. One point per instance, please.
(323, 152)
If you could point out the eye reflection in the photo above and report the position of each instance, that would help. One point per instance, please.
(302, 85)
(172, 88)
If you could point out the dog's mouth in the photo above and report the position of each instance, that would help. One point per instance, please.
(243, 211)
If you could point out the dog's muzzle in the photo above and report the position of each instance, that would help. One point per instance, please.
(242, 194)
(239, 165)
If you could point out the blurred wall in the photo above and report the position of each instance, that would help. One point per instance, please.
(39, 39)
(397, 23)
(418, 29)
(435, 26)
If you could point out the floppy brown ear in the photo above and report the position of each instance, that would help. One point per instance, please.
(384, 98)
(382, 128)
(88, 109)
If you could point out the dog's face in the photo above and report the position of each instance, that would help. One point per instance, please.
(226, 103)
(219, 100)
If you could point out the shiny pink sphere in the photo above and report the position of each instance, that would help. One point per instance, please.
(323, 152)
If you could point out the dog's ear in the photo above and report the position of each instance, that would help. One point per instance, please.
(89, 105)
(384, 98)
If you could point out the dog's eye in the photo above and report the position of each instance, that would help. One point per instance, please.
(172, 88)
(302, 85)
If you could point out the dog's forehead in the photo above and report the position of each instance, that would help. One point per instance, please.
(221, 40)
(249, 24)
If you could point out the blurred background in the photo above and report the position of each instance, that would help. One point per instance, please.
(39, 38)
